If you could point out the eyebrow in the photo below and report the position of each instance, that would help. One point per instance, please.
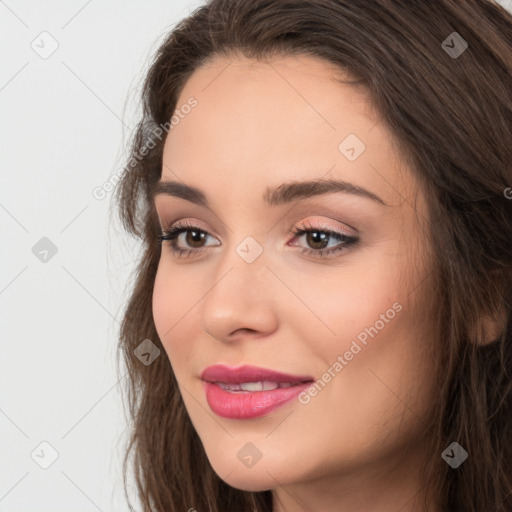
(275, 196)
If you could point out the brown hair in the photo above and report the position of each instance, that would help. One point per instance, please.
(453, 120)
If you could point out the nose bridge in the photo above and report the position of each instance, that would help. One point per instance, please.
(246, 245)
(242, 270)
(241, 295)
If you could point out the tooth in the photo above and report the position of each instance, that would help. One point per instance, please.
(254, 386)
(251, 386)
(229, 387)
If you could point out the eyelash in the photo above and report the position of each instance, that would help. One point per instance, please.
(172, 233)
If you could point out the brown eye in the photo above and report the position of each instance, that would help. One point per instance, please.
(194, 238)
(192, 241)
(317, 241)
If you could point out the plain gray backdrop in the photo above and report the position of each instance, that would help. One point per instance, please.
(70, 74)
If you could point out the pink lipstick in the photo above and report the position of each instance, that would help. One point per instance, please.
(248, 391)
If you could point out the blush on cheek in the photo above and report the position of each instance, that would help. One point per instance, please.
(171, 322)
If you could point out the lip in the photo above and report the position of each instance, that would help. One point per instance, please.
(249, 404)
(248, 373)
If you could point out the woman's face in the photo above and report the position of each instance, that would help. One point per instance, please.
(349, 313)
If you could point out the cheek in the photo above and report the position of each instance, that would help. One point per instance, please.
(367, 326)
(374, 380)
(346, 304)
(171, 303)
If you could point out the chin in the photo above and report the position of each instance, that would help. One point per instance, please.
(247, 479)
(251, 483)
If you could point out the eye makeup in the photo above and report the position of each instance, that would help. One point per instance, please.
(314, 233)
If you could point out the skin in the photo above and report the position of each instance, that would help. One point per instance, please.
(358, 444)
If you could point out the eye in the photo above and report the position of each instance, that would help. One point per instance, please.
(319, 238)
(194, 237)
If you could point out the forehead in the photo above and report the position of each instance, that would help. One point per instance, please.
(285, 118)
(301, 94)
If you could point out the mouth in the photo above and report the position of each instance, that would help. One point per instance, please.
(248, 392)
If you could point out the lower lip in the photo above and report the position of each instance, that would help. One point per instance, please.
(242, 405)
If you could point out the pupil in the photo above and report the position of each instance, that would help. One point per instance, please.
(194, 237)
(314, 237)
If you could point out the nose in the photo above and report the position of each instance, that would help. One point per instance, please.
(241, 301)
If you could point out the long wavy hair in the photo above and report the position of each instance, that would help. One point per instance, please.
(452, 118)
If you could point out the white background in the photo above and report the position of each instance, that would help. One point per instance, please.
(64, 124)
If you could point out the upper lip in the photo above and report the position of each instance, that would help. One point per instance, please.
(248, 373)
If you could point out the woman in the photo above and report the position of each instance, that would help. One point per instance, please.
(321, 316)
